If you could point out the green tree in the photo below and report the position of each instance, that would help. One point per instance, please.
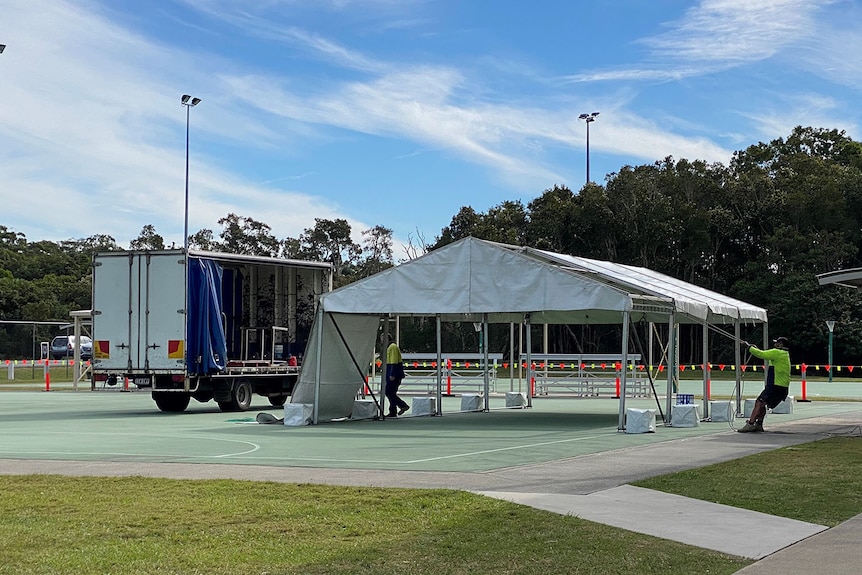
(244, 235)
(551, 220)
(328, 241)
(204, 240)
(376, 251)
(464, 224)
(148, 239)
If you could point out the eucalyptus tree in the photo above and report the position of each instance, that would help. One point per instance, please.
(148, 239)
(244, 235)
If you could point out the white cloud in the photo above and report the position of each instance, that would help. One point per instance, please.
(736, 30)
(94, 133)
(801, 109)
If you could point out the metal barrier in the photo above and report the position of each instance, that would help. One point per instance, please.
(582, 375)
(461, 372)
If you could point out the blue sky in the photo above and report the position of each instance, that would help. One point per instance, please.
(392, 112)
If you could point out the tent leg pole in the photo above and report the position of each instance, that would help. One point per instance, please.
(706, 371)
(511, 356)
(485, 360)
(738, 359)
(386, 341)
(671, 364)
(439, 367)
(529, 346)
(520, 353)
(624, 369)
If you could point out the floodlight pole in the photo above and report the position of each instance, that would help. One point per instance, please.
(831, 325)
(588, 118)
(189, 102)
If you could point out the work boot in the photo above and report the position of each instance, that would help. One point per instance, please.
(758, 426)
(403, 409)
(748, 428)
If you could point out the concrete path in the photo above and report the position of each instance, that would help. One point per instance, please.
(837, 551)
(694, 522)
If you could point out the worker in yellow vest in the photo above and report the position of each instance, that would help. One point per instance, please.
(777, 381)
(394, 375)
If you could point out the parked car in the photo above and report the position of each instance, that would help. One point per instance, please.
(63, 346)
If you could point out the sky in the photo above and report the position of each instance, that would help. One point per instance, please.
(388, 112)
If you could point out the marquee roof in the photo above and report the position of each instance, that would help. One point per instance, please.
(471, 277)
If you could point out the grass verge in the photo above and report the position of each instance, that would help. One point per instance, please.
(819, 482)
(52, 524)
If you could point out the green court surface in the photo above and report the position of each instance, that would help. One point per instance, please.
(116, 426)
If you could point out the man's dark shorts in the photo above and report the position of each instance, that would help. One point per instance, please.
(772, 395)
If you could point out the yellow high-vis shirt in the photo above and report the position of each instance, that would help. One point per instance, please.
(393, 354)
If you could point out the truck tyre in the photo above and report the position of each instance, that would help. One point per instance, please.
(240, 396)
(172, 402)
(277, 400)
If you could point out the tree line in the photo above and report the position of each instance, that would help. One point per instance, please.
(758, 229)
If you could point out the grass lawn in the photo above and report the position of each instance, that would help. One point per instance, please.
(30, 374)
(52, 524)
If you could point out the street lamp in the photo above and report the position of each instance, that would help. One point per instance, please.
(189, 102)
(2, 47)
(831, 325)
(588, 118)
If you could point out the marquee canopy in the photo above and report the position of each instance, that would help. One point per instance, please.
(476, 280)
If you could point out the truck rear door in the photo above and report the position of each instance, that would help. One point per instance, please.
(138, 303)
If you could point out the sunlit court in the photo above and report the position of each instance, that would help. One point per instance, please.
(110, 425)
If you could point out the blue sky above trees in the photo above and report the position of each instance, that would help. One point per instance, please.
(392, 112)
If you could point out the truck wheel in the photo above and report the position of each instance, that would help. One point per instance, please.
(240, 395)
(277, 400)
(172, 402)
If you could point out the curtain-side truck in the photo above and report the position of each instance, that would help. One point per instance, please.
(233, 327)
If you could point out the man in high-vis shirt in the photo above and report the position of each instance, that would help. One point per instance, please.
(777, 381)
(394, 375)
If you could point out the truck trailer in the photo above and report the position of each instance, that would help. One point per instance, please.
(232, 327)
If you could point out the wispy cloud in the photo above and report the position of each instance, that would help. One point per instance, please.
(717, 35)
(92, 122)
(736, 30)
(798, 109)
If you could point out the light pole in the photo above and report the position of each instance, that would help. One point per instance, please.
(831, 325)
(2, 47)
(588, 118)
(189, 102)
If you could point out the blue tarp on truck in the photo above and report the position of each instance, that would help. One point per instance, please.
(207, 344)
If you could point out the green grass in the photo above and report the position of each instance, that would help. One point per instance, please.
(29, 374)
(819, 482)
(52, 524)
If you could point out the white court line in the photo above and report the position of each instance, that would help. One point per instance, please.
(526, 446)
(254, 447)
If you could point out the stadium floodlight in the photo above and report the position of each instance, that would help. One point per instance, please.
(588, 118)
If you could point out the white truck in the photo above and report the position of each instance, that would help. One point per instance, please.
(234, 326)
